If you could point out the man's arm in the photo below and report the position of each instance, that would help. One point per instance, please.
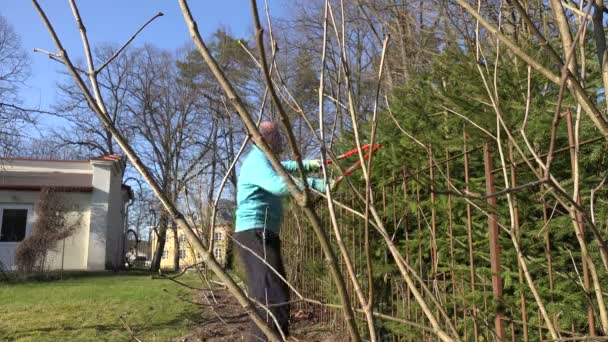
(309, 165)
(272, 182)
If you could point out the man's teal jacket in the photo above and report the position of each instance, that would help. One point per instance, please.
(259, 191)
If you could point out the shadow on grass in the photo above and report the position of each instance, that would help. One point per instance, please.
(16, 278)
(181, 320)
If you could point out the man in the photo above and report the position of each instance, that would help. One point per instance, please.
(258, 220)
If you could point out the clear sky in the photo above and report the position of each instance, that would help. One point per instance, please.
(114, 21)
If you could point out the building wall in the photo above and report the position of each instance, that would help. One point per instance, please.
(221, 243)
(72, 252)
(98, 242)
(75, 250)
(116, 212)
(190, 258)
(98, 232)
(221, 249)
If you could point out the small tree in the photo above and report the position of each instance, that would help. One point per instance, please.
(55, 222)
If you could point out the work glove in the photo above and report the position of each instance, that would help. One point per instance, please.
(315, 164)
(320, 185)
(333, 185)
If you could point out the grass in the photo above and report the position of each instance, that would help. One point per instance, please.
(85, 307)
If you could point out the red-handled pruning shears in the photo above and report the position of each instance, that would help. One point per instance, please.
(347, 154)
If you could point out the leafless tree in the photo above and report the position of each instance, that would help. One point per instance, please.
(78, 130)
(166, 116)
(14, 71)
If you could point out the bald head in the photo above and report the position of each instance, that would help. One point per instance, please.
(272, 136)
(267, 127)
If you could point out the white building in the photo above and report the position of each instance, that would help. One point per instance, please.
(94, 191)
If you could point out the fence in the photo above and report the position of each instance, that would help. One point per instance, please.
(460, 244)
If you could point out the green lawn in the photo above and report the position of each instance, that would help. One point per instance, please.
(89, 307)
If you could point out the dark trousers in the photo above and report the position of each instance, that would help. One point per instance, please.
(264, 284)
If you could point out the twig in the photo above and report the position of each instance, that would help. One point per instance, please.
(402, 265)
(574, 86)
(55, 57)
(131, 333)
(379, 315)
(503, 192)
(263, 260)
(284, 118)
(98, 70)
(221, 189)
(592, 197)
(470, 121)
(366, 304)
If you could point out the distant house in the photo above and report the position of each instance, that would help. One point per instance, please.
(94, 190)
(187, 255)
(224, 227)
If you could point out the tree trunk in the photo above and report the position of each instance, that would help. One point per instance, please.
(160, 241)
(175, 250)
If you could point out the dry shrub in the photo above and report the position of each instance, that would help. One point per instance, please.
(53, 224)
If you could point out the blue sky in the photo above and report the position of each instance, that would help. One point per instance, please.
(115, 21)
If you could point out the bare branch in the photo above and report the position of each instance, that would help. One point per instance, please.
(98, 70)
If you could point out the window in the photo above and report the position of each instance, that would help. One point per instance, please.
(165, 254)
(217, 252)
(218, 236)
(13, 224)
(182, 254)
(182, 238)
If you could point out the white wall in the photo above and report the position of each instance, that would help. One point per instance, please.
(115, 236)
(97, 244)
(75, 246)
(74, 251)
(98, 231)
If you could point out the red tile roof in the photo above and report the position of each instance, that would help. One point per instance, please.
(109, 157)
